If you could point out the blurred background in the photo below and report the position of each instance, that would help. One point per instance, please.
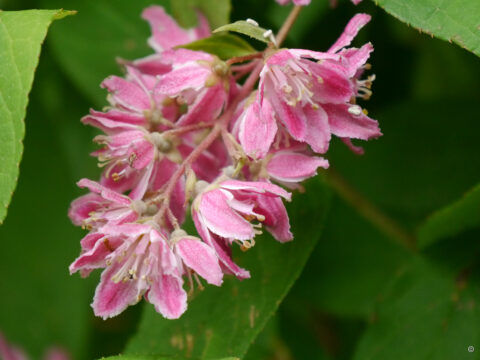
(359, 281)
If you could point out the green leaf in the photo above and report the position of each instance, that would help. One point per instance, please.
(407, 172)
(225, 46)
(87, 46)
(425, 315)
(455, 20)
(451, 220)
(351, 265)
(245, 28)
(216, 11)
(21, 36)
(226, 320)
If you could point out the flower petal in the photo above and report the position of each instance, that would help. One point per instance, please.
(261, 187)
(221, 219)
(81, 207)
(221, 248)
(276, 217)
(206, 107)
(166, 33)
(257, 129)
(112, 298)
(104, 192)
(127, 94)
(344, 124)
(189, 76)
(201, 258)
(318, 129)
(351, 30)
(289, 166)
(167, 295)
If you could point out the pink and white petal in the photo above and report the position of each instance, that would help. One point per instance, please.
(343, 124)
(126, 181)
(351, 30)
(188, 76)
(180, 57)
(279, 58)
(294, 167)
(166, 33)
(132, 231)
(221, 219)
(261, 187)
(317, 55)
(356, 2)
(356, 58)
(125, 138)
(318, 129)
(112, 298)
(276, 217)
(143, 184)
(127, 94)
(142, 153)
(203, 28)
(207, 106)
(257, 130)
(291, 116)
(333, 84)
(221, 248)
(92, 259)
(301, 2)
(201, 258)
(81, 207)
(104, 192)
(113, 120)
(162, 172)
(167, 295)
(153, 65)
(89, 240)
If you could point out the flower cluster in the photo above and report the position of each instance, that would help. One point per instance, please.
(182, 133)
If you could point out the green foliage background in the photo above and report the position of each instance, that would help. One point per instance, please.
(392, 241)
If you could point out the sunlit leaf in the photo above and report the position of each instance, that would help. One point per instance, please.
(225, 46)
(21, 36)
(455, 20)
(245, 28)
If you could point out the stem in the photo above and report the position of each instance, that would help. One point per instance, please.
(187, 128)
(287, 25)
(369, 211)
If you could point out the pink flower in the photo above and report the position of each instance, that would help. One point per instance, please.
(133, 141)
(296, 2)
(226, 210)
(201, 81)
(102, 206)
(140, 259)
(166, 33)
(289, 166)
(310, 94)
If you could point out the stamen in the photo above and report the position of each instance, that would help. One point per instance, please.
(355, 110)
